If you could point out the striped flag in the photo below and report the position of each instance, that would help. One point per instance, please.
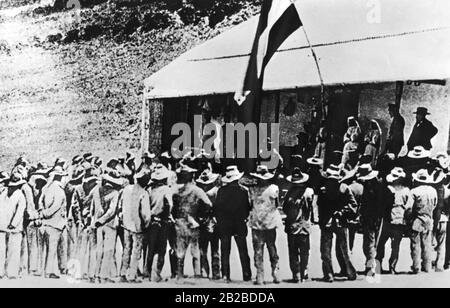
(279, 19)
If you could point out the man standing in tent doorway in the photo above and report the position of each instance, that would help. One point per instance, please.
(396, 137)
(423, 131)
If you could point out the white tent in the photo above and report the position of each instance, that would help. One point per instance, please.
(356, 42)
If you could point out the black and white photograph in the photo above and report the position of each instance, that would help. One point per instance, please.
(211, 145)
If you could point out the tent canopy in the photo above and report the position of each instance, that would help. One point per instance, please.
(356, 42)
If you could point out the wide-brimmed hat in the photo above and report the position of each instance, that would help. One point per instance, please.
(396, 174)
(365, 172)
(422, 110)
(232, 174)
(58, 171)
(149, 155)
(315, 161)
(422, 176)
(298, 177)
(419, 152)
(334, 172)
(438, 176)
(88, 157)
(76, 160)
(16, 180)
(77, 174)
(207, 177)
(186, 169)
(263, 173)
(113, 176)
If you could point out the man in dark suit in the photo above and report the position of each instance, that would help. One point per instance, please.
(395, 140)
(231, 210)
(423, 131)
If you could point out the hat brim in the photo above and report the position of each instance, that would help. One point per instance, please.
(234, 178)
(16, 184)
(267, 176)
(416, 179)
(315, 161)
(298, 181)
(423, 113)
(115, 181)
(372, 175)
(425, 154)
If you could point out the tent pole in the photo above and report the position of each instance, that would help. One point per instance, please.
(399, 93)
(145, 126)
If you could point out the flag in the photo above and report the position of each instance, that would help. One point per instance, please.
(278, 20)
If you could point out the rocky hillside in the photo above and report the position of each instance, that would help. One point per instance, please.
(73, 79)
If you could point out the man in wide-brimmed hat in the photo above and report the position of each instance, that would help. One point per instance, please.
(210, 183)
(336, 206)
(314, 170)
(12, 210)
(265, 218)
(105, 199)
(52, 212)
(396, 199)
(298, 207)
(161, 228)
(231, 209)
(421, 219)
(87, 238)
(135, 212)
(395, 139)
(190, 205)
(75, 181)
(423, 132)
(371, 212)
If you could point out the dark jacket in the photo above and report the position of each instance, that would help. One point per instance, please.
(371, 206)
(335, 198)
(396, 139)
(231, 209)
(422, 134)
(298, 207)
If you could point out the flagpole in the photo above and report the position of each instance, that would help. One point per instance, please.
(316, 60)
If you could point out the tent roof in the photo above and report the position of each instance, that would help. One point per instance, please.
(409, 41)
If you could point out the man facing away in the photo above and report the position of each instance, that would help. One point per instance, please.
(161, 204)
(336, 206)
(105, 199)
(232, 209)
(298, 207)
(425, 201)
(190, 205)
(12, 209)
(134, 206)
(52, 211)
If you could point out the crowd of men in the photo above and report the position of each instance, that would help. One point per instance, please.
(81, 210)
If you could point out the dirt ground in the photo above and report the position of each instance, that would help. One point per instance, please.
(432, 280)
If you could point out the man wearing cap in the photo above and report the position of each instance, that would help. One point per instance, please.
(371, 212)
(134, 206)
(396, 139)
(232, 209)
(87, 238)
(52, 212)
(12, 209)
(190, 205)
(396, 200)
(104, 207)
(161, 204)
(210, 183)
(264, 220)
(423, 132)
(425, 200)
(298, 207)
(336, 205)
